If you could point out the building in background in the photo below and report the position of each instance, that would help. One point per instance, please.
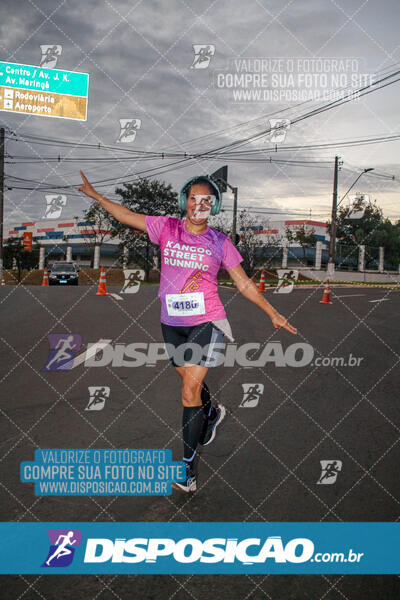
(68, 239)
(279, 250)
(279, 228)
(80, 242)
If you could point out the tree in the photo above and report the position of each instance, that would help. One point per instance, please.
(154, 198)
(372, 230)
(354, 232)
(220, 223)
(391, 244)
(253, 248)
(14, 253)
(303, 235)
(98, 229)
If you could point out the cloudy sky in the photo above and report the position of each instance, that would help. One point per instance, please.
(140, 58)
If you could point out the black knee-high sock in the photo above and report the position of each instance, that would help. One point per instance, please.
(205, 398)
(209, 410)
(192, 424)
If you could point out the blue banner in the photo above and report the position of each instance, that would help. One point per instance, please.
(214, 548)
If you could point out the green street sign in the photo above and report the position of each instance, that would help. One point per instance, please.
(45, 92)
(29, 77)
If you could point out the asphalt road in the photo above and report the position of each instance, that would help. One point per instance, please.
(265, 462)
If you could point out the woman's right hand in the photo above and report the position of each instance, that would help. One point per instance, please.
(87, 187)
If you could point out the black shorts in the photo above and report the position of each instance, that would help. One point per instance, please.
(196, 344)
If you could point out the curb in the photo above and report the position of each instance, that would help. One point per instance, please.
(315, 284)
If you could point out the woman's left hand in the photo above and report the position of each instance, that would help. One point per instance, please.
(279, 321)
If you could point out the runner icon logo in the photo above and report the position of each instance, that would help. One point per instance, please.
(357, 205)
(62, 547)
(329, 471)
(286, 281)
(128, 129)
(279, 128)
(54, 205)
(98, 396)
(133, 277)
(50, 54)
(251, 394)
(202, 55)
(62, 348)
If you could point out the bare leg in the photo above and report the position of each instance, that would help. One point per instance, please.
(192, 382)
(180, 371)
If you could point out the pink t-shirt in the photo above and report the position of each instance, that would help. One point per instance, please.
(189, 266)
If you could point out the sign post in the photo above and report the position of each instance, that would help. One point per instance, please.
(27, 241)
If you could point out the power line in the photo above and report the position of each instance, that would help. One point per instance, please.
(218, 152)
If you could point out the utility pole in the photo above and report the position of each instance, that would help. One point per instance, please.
(234, 190)
(335, 204)
(235, 193)
(220, 177)
(2, 152)
(332, 244)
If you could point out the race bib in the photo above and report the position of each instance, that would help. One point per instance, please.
(185, 305)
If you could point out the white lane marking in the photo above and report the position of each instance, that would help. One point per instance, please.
(115, 296)
(89, 353)
(380, 300)
(349, 295)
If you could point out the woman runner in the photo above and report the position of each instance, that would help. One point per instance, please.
(192, 315)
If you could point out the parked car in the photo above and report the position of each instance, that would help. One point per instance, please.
(63, 273)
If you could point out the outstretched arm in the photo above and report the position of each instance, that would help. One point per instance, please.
(248, 289)
(121, 213)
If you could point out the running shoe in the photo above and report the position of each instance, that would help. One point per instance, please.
(210, 427)
(190, 484)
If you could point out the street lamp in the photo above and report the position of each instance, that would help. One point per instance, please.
(354, 183)
(335, 204)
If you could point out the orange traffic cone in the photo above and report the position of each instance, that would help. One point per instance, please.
(102, 289)
(261, 285)
(45, 277)
(2, 280)
(326, 298)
